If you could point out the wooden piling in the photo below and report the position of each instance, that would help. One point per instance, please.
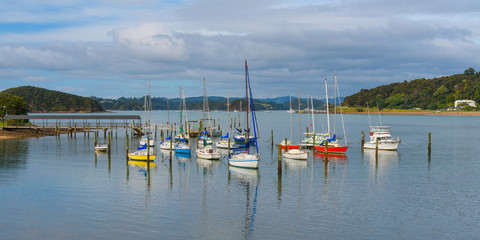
(228, 152)
(326, 150)
(75, 130)
(171, 147)
(429, 143)
(95, 142)
(313, 146)
(109, 144)
(286, 145)
(148, 155)
(126, 152)
(279, 167)
(88, 134)
(363, 140)
(376, 150)
(271, 136)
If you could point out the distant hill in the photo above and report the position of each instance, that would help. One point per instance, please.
(437, 93)
(44, 100)
(196, 103)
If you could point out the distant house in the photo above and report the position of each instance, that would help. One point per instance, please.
(459, 104)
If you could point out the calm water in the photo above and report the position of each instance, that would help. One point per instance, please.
(60, 189)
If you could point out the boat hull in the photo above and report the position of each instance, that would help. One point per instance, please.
(390, 146)
(166, 146)
(341, 150)
(141, 157)
(183, 150)
(209, 156)
(296, 156)
(291, 146)
(244, 160)
(224, 144)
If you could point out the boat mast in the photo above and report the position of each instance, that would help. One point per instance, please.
(313, 116)
(145, 108)
(335, 111)
(228, 106)
(246, 97)
(149, 107)
(299, 122)
(291, 131)
(328, 109)
(180, 106)
(185, 110)
(341, 111)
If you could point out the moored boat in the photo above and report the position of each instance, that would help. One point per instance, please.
(296, 154)
(141, 158)
(101, 147)
(208, 153)
(244, 158)
(182, 147)
(385, 140)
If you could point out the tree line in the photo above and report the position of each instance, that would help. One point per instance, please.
(433, 94)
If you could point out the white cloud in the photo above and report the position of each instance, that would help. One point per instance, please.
(130, 44)
(152, 41)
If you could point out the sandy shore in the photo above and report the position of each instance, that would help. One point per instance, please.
(19, 133)
(436, 113)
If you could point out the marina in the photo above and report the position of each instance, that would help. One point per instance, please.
(357, 195)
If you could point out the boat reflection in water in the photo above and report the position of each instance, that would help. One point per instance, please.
(386, 160)
(208, 164)
(247, 179)
(337, 159)
(182, 157)
(295, 164)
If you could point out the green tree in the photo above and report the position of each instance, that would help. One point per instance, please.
(469, 71)
(12, 105)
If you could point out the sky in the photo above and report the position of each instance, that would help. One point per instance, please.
(118, 48)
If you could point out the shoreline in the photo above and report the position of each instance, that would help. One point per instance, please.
(431, 113)
(21, 133)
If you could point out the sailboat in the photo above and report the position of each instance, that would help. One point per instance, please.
(208, 152)
(181, 146)
(245, 158)
(142, 156)
(293, 151)
(290, 110)
(223, 142)
(183, 112)
(334, 146)
(148, 107)
(289, 143)
(211, 131)
(144, 153)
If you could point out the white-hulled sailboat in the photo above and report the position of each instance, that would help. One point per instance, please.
(245, 158)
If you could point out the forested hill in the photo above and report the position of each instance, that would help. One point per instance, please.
(437, 93)
(44, 100)
(196, 103)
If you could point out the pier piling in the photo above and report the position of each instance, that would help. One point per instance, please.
(362, 140)
(271, 136)
(429, 143)
(279, 167)
(326, 150)
(126, 152)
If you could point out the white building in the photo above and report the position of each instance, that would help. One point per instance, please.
(459, 104)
